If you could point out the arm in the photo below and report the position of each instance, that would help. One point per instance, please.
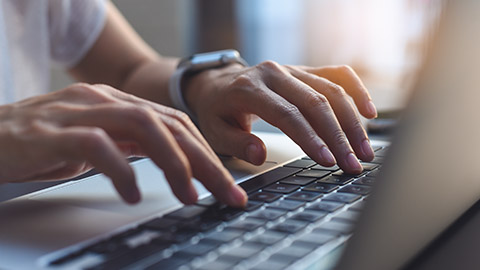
(120, 58)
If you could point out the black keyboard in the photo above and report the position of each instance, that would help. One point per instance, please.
(293, 211)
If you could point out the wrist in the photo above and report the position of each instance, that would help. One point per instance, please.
(194, 66)
(198, 86)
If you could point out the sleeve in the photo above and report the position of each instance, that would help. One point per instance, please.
(74, 26)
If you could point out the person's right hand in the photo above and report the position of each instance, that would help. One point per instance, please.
(65, 133)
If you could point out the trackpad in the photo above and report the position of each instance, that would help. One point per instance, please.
(97, 192)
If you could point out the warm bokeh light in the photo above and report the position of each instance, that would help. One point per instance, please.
(382, 40)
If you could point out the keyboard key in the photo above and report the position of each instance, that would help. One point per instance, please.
(310, 216)
(253, 205)
(286, 205)
(356, 189)
(207, 201)
(323, 168)
(313, 173)
(187, 212)
(326, 206)
(130, 257)
(291, 254)
(268, 238)
(290, 226)
(320, 187)
(367, 166)
(344, 174)
(337, 180)
(264, 197)
(174, 237)
(229, 259)
(336, 226)
(378, 160)
(301, 163)
(224, 236)
(229, 213)
(171, 263)
(317, 238)
(162, 224)
(366, 181)
(373, 173)
(269, 265)
(244, 251)
(304, 196)
(305, 244)
(217, 265)
(248, 224)
(268, 214)
(201, 225)
(349, 216)
(342, 197)
(267, 178)
(296, 180)
(198, 249)
(281, 188)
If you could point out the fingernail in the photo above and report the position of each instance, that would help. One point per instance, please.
(252, 152)
(367, 148)
(371, 108)
(326, 155)
(238, 197)
(352, 161)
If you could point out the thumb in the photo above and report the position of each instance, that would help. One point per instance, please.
(234, 141)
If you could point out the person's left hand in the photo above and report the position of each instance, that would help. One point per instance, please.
(311, 105)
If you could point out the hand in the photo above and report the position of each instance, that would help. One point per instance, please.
(65, 133)
(311, 105)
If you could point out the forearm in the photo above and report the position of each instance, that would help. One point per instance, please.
(120, 58)
(149, 80)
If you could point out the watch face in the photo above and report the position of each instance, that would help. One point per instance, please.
(215, 57)
(210, 59)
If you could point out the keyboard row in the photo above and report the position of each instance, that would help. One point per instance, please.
(292, 211)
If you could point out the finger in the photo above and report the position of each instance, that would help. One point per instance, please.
(317, 110)
(353, 85)
(94, 146)
(130, 149)
(161, 110)
(207, 169)
(343, 109)
(287, 117)
(140, 126)
(234, 141)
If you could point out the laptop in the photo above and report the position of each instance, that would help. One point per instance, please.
(300, 215)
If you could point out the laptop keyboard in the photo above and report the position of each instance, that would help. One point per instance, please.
(292, 211)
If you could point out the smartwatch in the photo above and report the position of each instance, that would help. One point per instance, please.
(194, 64)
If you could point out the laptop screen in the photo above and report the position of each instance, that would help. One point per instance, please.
(431, 176)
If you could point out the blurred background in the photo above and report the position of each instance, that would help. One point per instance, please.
(384, 41)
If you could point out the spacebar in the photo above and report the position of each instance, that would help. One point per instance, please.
(267, 178)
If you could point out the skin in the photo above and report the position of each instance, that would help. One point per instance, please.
(95, 124)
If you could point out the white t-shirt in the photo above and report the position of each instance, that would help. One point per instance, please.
(34, 34)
